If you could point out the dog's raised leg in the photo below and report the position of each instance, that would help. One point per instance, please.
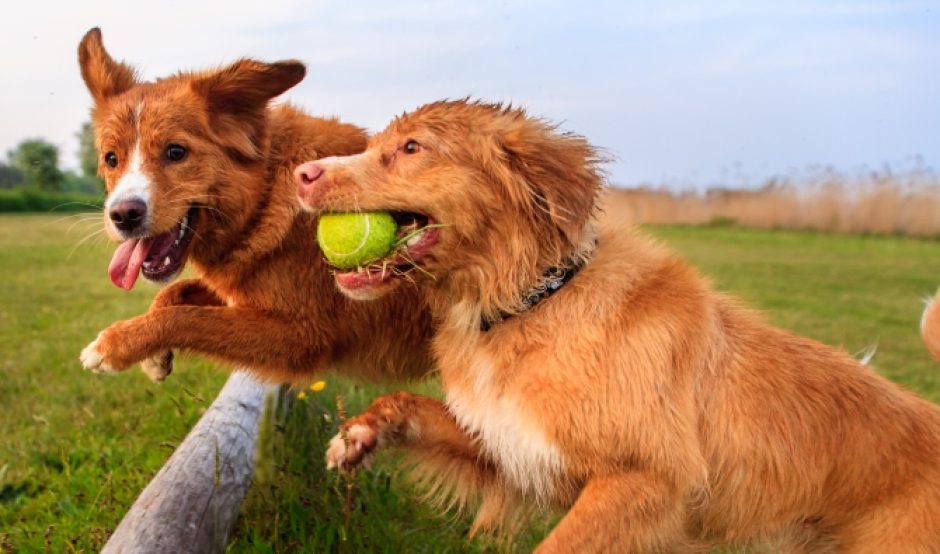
(245, 337)
(445, 459)
(158, 367)
(188, 292)
(399, 419)
(629, 512)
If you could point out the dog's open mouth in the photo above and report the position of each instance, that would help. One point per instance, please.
(159, 257)
(416, 237)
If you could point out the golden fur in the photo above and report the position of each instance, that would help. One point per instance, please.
(264, 299)
(658, 413)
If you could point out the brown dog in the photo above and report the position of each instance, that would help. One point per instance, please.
(198, 168)
(654, 410)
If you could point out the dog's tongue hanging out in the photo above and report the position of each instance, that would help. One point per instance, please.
(126, 263)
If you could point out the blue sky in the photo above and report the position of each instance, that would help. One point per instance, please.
(683, 93)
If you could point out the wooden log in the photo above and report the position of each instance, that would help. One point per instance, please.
(192, 502)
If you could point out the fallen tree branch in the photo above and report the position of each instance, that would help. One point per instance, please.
(192, 502)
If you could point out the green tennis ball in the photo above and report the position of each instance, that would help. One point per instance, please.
(355, 239)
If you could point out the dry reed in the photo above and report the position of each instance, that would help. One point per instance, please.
(874, 203)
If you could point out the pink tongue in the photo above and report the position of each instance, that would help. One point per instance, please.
(125, 265)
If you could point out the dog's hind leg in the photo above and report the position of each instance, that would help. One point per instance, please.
(629, 512)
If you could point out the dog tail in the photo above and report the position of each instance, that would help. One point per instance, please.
(930, 325)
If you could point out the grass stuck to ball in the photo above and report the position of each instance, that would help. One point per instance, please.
(356, 239)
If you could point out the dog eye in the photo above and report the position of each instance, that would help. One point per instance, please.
(411, 147)
(175, 152)
(110, 159)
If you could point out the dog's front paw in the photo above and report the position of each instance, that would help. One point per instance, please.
(352, 448)
(158, 367)
(93, 358)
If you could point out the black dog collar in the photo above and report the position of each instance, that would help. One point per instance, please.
(550, 283)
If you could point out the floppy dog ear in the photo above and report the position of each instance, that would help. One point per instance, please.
(238, 94)
(248, 85)
(561, 175)
(103, 76)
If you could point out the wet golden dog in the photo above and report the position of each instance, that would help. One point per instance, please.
(659, 414)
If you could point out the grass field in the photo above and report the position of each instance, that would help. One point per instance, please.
(76, 448)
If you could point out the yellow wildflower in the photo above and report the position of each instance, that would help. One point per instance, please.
(318, 386)
(301, 395)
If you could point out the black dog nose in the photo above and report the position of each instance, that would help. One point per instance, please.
(128, 215)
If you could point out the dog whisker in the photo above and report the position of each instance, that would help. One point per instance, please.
(79, 216)
(91, 235)
(95, 222)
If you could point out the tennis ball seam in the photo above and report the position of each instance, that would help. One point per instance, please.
(362, 241)
(376, 237)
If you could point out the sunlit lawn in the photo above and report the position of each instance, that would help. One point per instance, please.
(76, 448)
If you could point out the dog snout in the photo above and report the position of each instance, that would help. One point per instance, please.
(307, 174)
(128, 215)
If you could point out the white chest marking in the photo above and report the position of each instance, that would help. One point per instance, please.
(509, 437)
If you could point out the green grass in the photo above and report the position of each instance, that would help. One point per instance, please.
(39, 201)
(76, 448)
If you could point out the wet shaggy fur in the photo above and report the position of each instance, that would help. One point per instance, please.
(263, 299)
(656, 412)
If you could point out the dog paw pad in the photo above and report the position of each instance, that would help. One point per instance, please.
(158, 367)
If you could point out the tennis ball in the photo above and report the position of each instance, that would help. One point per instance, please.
(354, 239)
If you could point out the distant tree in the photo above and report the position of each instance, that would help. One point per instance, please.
(88, 152)
(73, 182)
(39, 162)
(10, 177)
